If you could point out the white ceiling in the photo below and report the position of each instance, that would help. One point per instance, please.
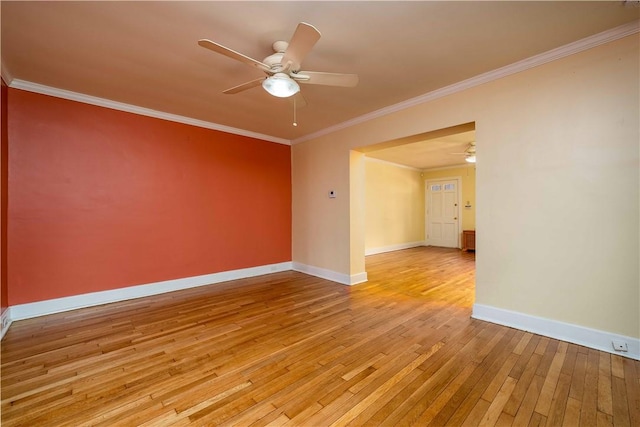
(146, 53)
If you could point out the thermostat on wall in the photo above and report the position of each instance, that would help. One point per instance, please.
(332, 194)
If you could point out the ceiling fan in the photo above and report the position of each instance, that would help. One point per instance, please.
(469, 153)
(283, 67)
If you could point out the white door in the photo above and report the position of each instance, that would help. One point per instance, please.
(442, 213)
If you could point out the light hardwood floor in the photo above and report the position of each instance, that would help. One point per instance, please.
(291, 349)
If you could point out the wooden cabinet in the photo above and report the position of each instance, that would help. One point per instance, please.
(469, 240)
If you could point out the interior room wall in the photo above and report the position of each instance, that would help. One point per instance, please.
(358, 211)
(4, 175)
(468, 184)
(394, 206)
(557, 156)
(103, 199)
(318, 220)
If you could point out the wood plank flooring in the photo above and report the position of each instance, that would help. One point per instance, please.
(291, 349)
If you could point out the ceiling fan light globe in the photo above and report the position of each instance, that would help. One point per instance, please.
(281, 85)
(470, 158)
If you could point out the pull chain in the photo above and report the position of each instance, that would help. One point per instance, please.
(295, 123)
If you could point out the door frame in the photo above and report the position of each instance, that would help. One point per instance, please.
(458, 180)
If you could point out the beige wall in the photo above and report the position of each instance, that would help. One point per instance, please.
(467, 174)
(321, 225)
(557, 188)
(394, 205)
(358, 211)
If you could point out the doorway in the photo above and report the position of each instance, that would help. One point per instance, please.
(435, 155)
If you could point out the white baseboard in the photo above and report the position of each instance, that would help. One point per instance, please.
(5, 320)
(592, 338)
(41, 308)
(334, 276)
(358, 278)
(391, 248)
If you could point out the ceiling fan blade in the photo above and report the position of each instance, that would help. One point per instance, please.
(244, 86)
(304, 38)
(218, 48)
(328, 79)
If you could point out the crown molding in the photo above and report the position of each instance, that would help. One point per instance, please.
(107, 103)
(526, 64)
(4, 72)
(398, 165)
(443, 168)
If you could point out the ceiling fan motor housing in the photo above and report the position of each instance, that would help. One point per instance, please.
(274, 61)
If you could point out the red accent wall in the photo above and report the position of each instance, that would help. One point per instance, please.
(102, 199)
(4, 168)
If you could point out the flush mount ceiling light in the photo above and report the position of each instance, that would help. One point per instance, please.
(281, 85)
